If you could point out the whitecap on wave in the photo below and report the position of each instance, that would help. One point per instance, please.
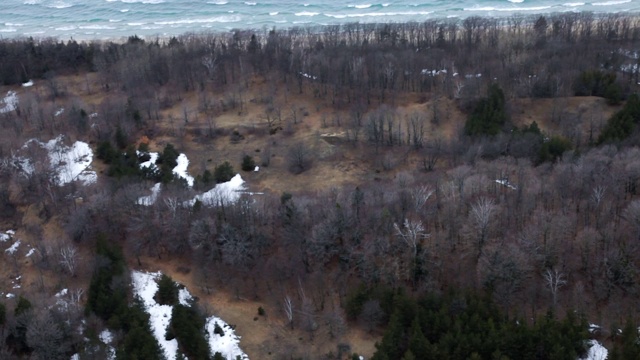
(306, 13)
(138, 1)
(512, 9)
(377, 14)
(613, 2)
(217, 19)
(363, 6)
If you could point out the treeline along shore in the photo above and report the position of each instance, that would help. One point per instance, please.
(537, 56)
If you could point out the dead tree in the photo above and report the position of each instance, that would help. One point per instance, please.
(288, 310)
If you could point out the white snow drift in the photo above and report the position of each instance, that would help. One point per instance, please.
(145, 287)
(223, 193)
(10, 102)
(69, 163)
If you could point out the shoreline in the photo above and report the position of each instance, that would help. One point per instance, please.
(317, 28)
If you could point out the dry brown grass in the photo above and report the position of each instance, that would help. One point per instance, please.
(261, 336)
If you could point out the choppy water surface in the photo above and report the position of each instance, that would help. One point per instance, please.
(91, 19)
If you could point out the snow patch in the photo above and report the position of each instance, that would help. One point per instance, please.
(7, 235)
(257, 169)
(227, 345)
(59, 112)
(69, 163)
(506, 183)
(596, 351)
(28, 83)
(10, 102)
(145, 287)
(62, 293)
(308, 76)
(151, 163)
(150, 199)
(223, 193)
(433, 72)
(10, 295)
(106, 336)
(184, 297)
(30, 252)
(13, 248)
(181, 169)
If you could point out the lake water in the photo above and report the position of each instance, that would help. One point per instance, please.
(99, 19)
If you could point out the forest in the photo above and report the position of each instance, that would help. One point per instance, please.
(450, 189)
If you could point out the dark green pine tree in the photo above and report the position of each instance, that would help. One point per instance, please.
(138, 342)
(167, 291)
(390, 345)
(622, 123)
(489, 115)
(630, 348)
(418, 343)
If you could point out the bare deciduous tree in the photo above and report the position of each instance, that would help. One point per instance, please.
(420, 196)
(554, 280)
(412, 234)
(481, 213)
(45, 337)
(299, 158)
(69, 258)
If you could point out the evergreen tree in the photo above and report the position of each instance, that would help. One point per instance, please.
(489, 115)
(623, 123)
(188, 328)
(553, 149)
(223, 172)
(167, 291)
(630, 344)
(248, 164)
(3, 314)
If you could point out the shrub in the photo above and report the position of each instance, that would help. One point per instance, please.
(23, 306)
(218, 330)
(248, 164)
(552, 149)
(261, 311)
(106, 152)
(593, 83)
(223, 172)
